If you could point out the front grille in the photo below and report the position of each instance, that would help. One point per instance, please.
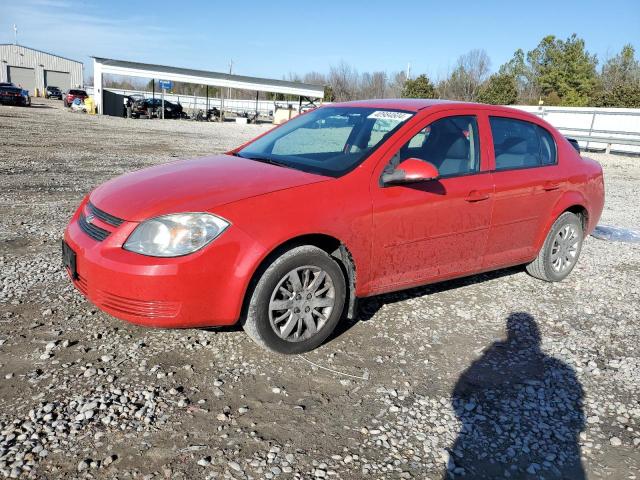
(93, 231)
(128, 306)
(104, 216)
(81, 284)
(140, 308)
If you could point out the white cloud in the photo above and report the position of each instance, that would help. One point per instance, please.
(78, 31)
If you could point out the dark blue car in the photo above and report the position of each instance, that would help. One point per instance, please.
(12, 95)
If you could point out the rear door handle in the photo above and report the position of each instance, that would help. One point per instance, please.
(549, 186)
(476, 196)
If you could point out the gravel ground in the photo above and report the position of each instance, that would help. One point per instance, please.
(494, 376)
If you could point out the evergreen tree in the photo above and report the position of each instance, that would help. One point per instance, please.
(566, 68)
(419, 87)
(500, 89)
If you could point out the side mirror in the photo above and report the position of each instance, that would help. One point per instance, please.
(411, 170)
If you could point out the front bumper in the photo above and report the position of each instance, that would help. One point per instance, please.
(205, 288)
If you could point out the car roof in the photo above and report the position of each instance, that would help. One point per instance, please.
(410, 104)
(416, 104)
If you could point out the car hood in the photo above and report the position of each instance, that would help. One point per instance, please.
(193, 185)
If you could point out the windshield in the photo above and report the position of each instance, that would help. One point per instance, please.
(328, 141)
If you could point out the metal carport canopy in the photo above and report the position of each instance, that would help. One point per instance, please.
(202, 77)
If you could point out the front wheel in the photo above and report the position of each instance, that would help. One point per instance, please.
(560, 251)
(297, 302)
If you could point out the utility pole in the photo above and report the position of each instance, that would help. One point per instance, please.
(15, 34)
(230, 71)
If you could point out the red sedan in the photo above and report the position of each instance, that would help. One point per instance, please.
(72, 94)
(286, 232)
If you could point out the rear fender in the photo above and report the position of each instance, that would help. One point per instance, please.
(565, 202)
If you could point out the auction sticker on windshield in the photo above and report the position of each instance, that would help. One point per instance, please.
(388, 115)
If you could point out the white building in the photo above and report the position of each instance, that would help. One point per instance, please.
(33, 69)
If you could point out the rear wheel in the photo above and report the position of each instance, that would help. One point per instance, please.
(297, 302)
(560, 251)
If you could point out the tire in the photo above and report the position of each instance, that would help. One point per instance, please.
(303, 325)
(565, 237)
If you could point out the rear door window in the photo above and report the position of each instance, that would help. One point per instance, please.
(521, 144)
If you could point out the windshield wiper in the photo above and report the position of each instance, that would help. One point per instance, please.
(266, 160)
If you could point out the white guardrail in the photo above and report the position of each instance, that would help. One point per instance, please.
(192, 102)
(608, 129)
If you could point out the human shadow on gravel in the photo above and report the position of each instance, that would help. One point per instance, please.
(520, 412)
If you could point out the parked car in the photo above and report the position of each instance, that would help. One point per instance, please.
(10, 95)
(6, 84)
(251, 116)
(152, 107)
(286, 232)
(129, 100)
(53, 92)
(72, 94)
(26, 97)
(213, 114)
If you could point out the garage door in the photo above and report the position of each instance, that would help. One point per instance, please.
(62, 80)
(24, 77)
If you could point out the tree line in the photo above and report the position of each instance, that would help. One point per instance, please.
(556, 72)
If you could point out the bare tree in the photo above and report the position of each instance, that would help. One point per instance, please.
(395, 87)
(621, 69)
(315, 78)
(528, 90)
(373, 85)
(343, 79)
(470, 72)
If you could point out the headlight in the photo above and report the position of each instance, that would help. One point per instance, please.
(175, 235)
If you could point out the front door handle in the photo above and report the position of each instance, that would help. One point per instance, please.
(477, 196)
(550, 186)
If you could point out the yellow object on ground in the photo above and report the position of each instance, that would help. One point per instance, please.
(89, 105)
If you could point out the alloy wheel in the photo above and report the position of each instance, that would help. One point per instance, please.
(564, 251)
(301, 303)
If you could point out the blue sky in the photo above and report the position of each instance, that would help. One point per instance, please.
(274, 38)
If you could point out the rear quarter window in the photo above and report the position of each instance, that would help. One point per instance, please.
(548, 153)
